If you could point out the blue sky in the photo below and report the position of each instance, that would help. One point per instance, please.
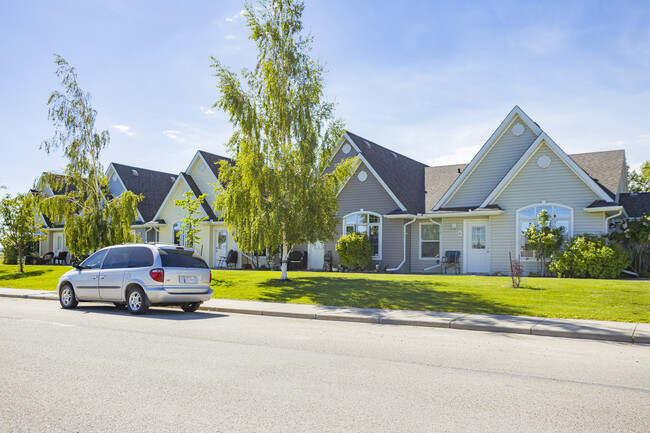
(431, 80)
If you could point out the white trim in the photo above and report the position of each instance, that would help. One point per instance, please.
(381, 229)
(111, 167)
(171, 193)
(430, 222)
(198, 155)
(518, 225)
(454, 214)
(603, 209)
(496, 135)
(521, 163)
(488, 240)
(339, 143)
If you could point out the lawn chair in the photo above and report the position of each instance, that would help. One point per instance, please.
(61, 258)
(231, 260)
(48, 258)
(450, 260)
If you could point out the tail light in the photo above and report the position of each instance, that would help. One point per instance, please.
(157, 275)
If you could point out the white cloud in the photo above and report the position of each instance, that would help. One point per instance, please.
(242, 12)
(207, 111)
(229, 19)
(123, 129)
(174, 135)
(230, 37)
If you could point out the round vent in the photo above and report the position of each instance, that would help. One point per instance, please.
(346, 148)
(362, 176)
(544, 161)
(518, 129)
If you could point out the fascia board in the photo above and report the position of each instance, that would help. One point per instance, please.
(516, 111)
(171, 193)
(381, 182)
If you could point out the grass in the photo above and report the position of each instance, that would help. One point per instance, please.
(618, 300)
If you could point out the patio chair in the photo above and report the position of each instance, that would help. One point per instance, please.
(61, 258)
(297, 261)
(231, 260)
(450, 260)
(48, 258)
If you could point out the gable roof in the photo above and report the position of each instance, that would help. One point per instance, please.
(437, 181)
(197, 192)
(636, 204)
(153, 185)
(211, 160)
(61, 184)
(403, 176)
(603, 167)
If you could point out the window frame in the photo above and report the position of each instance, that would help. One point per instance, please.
(519, 220)
(379, 224)
(181, 237)
(420, 240)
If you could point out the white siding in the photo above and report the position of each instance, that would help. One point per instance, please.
(557, 184)
(492, 168)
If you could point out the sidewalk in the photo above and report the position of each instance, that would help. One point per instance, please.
(568, 328)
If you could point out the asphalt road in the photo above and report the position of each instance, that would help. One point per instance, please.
(101, 369)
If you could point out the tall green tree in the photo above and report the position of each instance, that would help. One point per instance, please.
(277, 191)
(190, 224)
(640, 181)
(93, 219)
(20, 225)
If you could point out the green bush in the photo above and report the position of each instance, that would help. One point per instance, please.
(355, 251)
(589, 256)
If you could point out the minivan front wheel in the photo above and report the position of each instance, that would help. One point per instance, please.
(67, 297)
(191, 307)
(136, 301)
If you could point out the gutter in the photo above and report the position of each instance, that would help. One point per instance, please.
(620, 212)
(469, 214)
(403, 260)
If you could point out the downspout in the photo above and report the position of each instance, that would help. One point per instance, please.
(404, 260)
(620, 212)
(439, 252)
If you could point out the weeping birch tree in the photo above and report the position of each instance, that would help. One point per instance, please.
(277, 192)
(93, 219)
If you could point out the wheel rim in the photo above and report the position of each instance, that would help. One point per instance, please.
(135, 301)
(66, 296)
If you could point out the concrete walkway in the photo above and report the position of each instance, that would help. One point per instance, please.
(568, 328)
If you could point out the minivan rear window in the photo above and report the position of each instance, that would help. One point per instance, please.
(181, 259)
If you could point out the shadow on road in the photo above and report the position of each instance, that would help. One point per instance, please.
(165, 313)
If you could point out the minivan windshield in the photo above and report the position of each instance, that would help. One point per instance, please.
(181, 259)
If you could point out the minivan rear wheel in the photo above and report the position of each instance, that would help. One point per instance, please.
(191, 307)
(136, 301)
(67, 297)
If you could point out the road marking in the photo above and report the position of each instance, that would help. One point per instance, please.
(46, 322)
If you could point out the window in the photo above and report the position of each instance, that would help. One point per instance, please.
(429, 241)
(152, 235)
(117, 258)
(178, 235)
(95, 260)
(141, 257)
(368, 223)
(181, 259)
(561, 216)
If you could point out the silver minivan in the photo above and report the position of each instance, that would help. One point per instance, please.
(138, 276)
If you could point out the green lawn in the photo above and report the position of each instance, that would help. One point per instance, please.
(619, 300)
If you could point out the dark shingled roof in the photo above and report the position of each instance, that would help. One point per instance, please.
(197, 192)
(59, 183)
(212, 161)
(636, 204)
(603, 167)
(602, 203)
(153, 185)
(437, 180)
(403, 176)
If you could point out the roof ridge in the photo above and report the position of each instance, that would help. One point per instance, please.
(597, 151)
(386, 148)
(142, 168)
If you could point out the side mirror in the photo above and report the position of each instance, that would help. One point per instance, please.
(76, 265)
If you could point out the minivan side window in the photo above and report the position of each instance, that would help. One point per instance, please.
(117, 258)
(95, 260)
(141, 257)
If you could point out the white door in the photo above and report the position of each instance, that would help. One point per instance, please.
(58, 243)
(220, 246)
(316, 256)
(477, 247)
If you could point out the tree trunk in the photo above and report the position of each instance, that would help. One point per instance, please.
(285, 260)
(20, 257)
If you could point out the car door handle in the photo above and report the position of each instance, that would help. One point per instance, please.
(95, 277)
(102, 277)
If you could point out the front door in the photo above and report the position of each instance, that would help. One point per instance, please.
(58, 243)
(316, 256)
(220, 246)
(477, 247)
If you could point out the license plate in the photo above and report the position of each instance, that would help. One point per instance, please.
(189, 280)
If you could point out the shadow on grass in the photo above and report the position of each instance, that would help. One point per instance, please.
(17, 275)
(400, 294)
(165, 313)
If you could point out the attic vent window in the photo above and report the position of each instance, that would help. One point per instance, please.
(134, 172)
(346, 148)
(394, 155)
(173, 178)
(518, 129)
(544, 161)
(362, 175)
(367, 144)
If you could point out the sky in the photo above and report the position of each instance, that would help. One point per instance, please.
(429, 79)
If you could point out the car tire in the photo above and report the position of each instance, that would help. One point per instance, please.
(136, 301)
(191, 307)
(67, 297)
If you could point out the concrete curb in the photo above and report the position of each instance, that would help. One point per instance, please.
(638, 333)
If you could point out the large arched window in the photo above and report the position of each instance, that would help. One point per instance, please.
(561, 216)
(368, 223)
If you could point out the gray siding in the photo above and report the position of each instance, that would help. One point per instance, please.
(493, 167)
(557, 184)
(340, 156)
(371, 196)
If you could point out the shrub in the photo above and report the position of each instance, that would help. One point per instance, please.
(589, 256)
(634, 236)
(354, 250)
